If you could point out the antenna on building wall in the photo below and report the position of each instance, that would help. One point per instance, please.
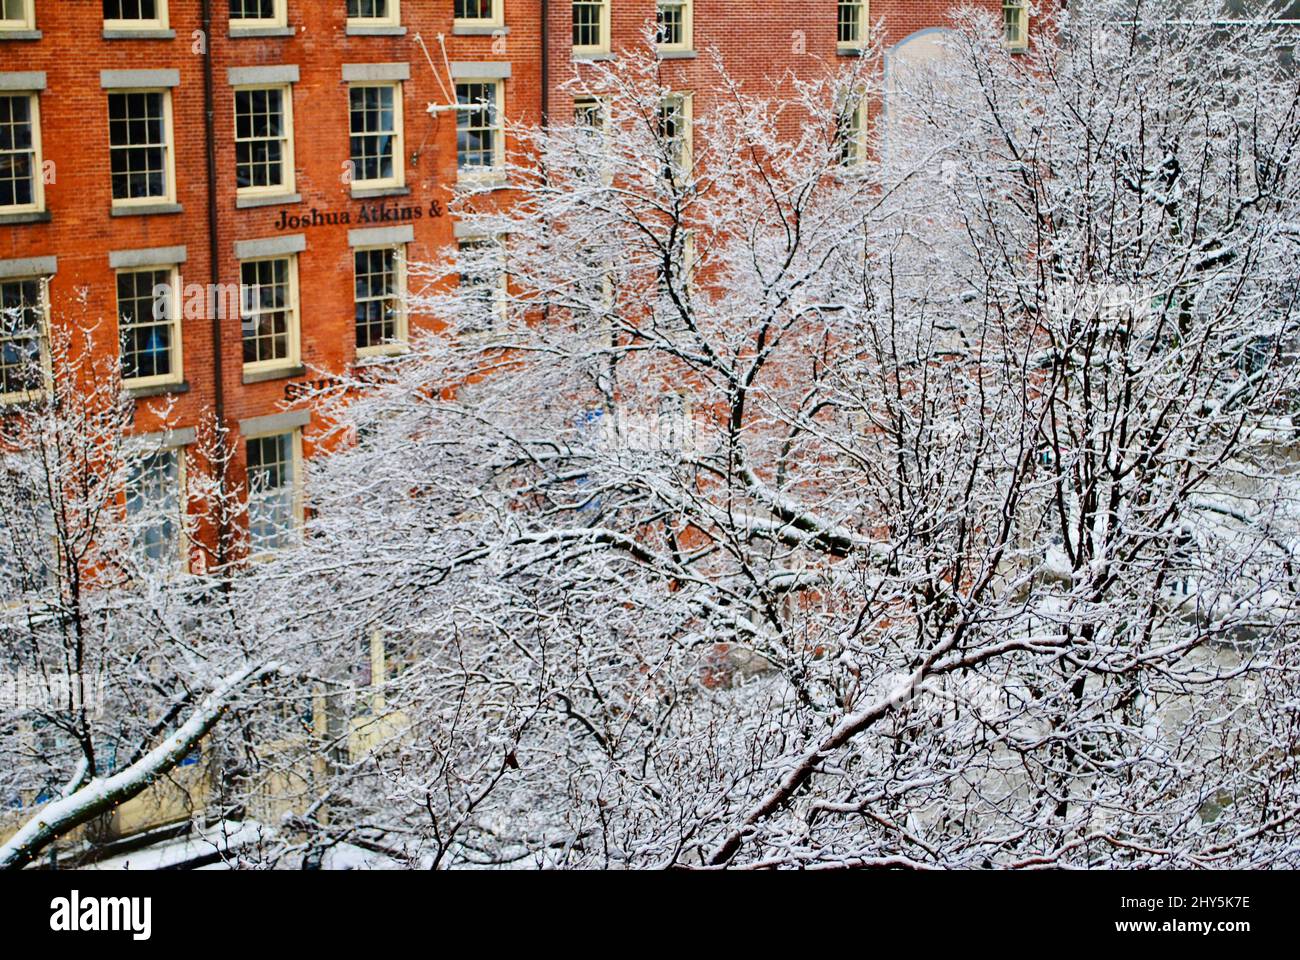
(450, 104)
(435, 109)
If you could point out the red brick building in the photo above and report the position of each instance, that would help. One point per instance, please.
(273, 162)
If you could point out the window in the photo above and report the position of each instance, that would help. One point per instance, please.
(149, 326)
(274, 503)
(269, 312)
(380, 307)
(478, 12)
(22, 338)
(673, 24)
(675, 134)
(483, 277)
(258, 13)
(29, 545)
(264, 141)
(852, 19)
(589, 114)
(850, 136)
(590, 26)
(593, 293)
(154, 506)
(479, 146)
(136, 14)
(21, 187)
(589, 117)
(17, 15)
(380, 660)
(1015, 23)
(374, 12)
(139, 138)
(376, 131)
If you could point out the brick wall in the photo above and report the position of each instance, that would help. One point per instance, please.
(759, 39)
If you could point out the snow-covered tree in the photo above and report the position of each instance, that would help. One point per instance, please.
(861, 470)
(118, 665)
(836, 485)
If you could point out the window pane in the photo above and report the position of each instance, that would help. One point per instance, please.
(21, 328)
(267, 309)
(1013, 21)
(137, 145)
(378, 299)
(368, 9)
(587, 19)
(477, 125)
(373, 132)
(670, 22)
(153, 506)
(260, 138)
(17, 152)
(672, 129)
(482, 276)
(130, 9)
(145, 318)
(850, 21)
(252, 9)
(14, 10)
(272, 520)
(473, 9)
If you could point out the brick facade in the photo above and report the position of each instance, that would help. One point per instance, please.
(758, 39)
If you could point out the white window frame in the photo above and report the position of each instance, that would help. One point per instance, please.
(28, 21)
(169, 149)
(602, 44)
(19, 462)
(295, 342)
(600, 154)
(1021, 43)
(296, 465)
(160, 22)
(290, 179)
(174, 322)
(38, 169)
(864, 24)
(501, 289)
(400, 329)
(182, 501)
(686, 150)
(43, 338)
(496, 19)
(857, 134)
(688, 26)
(587, 102)
(497, 170)
(398, 179)
(279, 18)
(393, 19)
(600, 329)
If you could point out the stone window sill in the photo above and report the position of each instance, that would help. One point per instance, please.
(248, 203)
(148, 210)
(241, 33)
(32, 216)
(477, 29)
(278, 373)
(157, 389)
(374, 30)
(370, 193)
(139, 34)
